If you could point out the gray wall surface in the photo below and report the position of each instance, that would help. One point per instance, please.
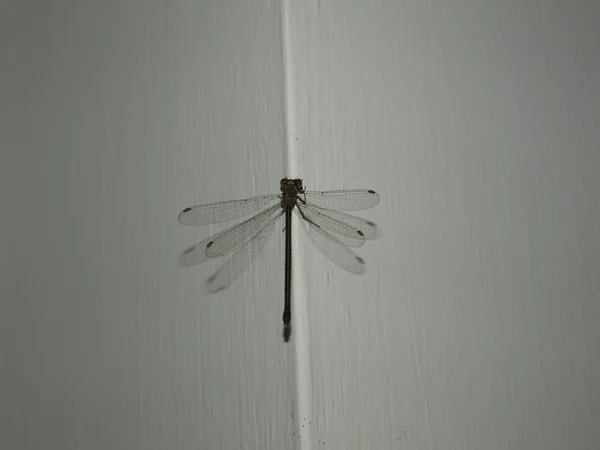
(475, 325)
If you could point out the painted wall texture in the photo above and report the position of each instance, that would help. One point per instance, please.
(475, 325)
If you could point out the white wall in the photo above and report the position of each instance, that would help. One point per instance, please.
(475, 325)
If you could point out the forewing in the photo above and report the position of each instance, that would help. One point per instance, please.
(225, 211)
(347, 200)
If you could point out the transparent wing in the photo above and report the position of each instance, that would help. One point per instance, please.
(334, 250)
(225, 211)
(331, 227)
(348, 200)
(368, 228)
(238, 235)
(239, 261)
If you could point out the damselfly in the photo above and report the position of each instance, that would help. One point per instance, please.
(318, 209)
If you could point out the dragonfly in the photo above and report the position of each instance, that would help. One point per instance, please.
(320, 210)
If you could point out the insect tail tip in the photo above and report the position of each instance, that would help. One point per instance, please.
(287, 332)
